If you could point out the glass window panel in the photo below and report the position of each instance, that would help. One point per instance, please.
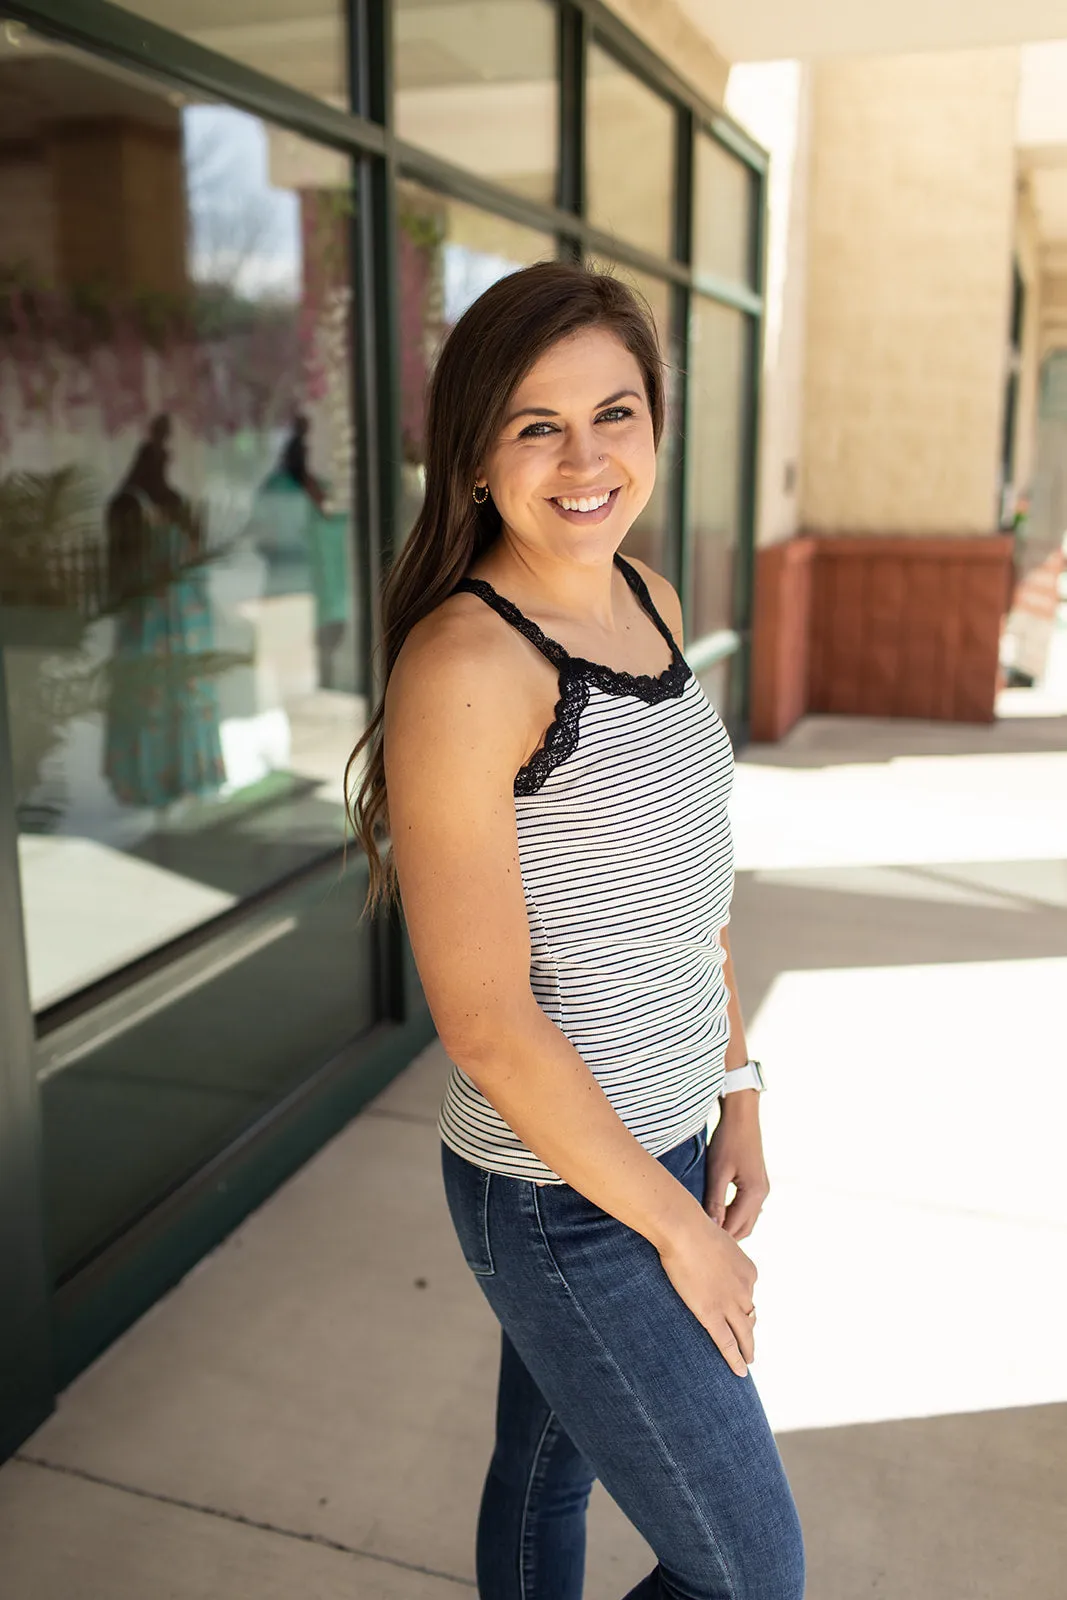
(476, 84)
(717, 380)
(630, 133)
(139, 1092)
(178, 612)
(723, 196)
(449, 254)
(721, 683)
(302, 42)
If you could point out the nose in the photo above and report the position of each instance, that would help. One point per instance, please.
(582, 456)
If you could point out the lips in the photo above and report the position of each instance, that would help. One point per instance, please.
(597, 506)
(584, 502)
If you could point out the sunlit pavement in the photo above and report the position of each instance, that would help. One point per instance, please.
(310, 1412)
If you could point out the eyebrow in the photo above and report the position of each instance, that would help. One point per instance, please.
(543, 411)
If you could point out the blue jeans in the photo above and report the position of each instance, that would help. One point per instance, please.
(606, 1373)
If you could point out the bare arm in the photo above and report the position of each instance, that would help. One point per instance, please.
(453, 743)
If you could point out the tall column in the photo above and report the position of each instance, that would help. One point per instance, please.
(120, 211)
(910, 236)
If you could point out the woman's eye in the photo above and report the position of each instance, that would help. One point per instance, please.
(540, 430)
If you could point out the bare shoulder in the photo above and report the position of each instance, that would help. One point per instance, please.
(664, 596)
(455, 681)
(451, 753)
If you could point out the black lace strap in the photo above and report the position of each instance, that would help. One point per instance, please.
(511, 613)
(640, 589)
(549, 647)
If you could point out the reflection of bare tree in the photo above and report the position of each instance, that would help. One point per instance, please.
(237, 231)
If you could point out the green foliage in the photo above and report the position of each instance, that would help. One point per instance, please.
(51, 552)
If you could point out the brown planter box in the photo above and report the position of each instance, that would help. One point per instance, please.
(781, 634)
(878, 625)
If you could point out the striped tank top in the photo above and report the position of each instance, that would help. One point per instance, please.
(627, 873)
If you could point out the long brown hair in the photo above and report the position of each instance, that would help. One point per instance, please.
(483, 360)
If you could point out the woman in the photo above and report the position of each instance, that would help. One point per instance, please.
(557, 784)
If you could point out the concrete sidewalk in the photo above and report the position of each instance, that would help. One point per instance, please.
(309, 1413)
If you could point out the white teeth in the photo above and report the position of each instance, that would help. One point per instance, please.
(584, 504)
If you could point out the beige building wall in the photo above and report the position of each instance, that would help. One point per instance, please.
(911, 224)
(773, 101)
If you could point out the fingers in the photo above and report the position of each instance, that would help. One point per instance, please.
(744, 1332)
(742, 1216)
(735, 1335)
(715, 1195)
(731, 1351)
(743, 1213)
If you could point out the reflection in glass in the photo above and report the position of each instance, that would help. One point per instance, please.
(175, 469)
(630, 144)
(721, 683)
(723, 196)
(302, 42)
(477, 85)
(449, 254)
(717, 376)
(138, 1091)
(176, 611)
(162, 738)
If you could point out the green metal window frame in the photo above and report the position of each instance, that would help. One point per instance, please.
(367, 133)
(53, 1337)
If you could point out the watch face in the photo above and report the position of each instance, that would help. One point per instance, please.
(758, 1070)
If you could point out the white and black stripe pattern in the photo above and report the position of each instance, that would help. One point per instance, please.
(627, 870)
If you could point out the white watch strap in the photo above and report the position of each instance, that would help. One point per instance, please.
(747, 1077)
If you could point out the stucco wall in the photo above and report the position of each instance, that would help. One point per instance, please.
(911, 223)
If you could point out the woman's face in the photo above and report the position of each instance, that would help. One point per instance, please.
(578, 433)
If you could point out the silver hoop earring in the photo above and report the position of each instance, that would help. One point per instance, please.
(480, 499)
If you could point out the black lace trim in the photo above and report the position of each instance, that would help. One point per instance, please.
(576, 675)
(561, 735)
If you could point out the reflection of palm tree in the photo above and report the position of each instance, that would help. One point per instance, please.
(50, 553)
(51, 572)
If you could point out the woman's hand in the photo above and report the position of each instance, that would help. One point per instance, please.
(715, 1279)
(735, 1155)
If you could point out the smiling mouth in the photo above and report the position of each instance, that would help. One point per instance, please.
(584, 502)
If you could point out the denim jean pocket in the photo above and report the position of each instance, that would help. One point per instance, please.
(467, 1192)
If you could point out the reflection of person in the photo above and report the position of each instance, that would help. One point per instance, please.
(558, 815)
(294, 462)
(144, 490)
(162, 739)
(321, 539)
